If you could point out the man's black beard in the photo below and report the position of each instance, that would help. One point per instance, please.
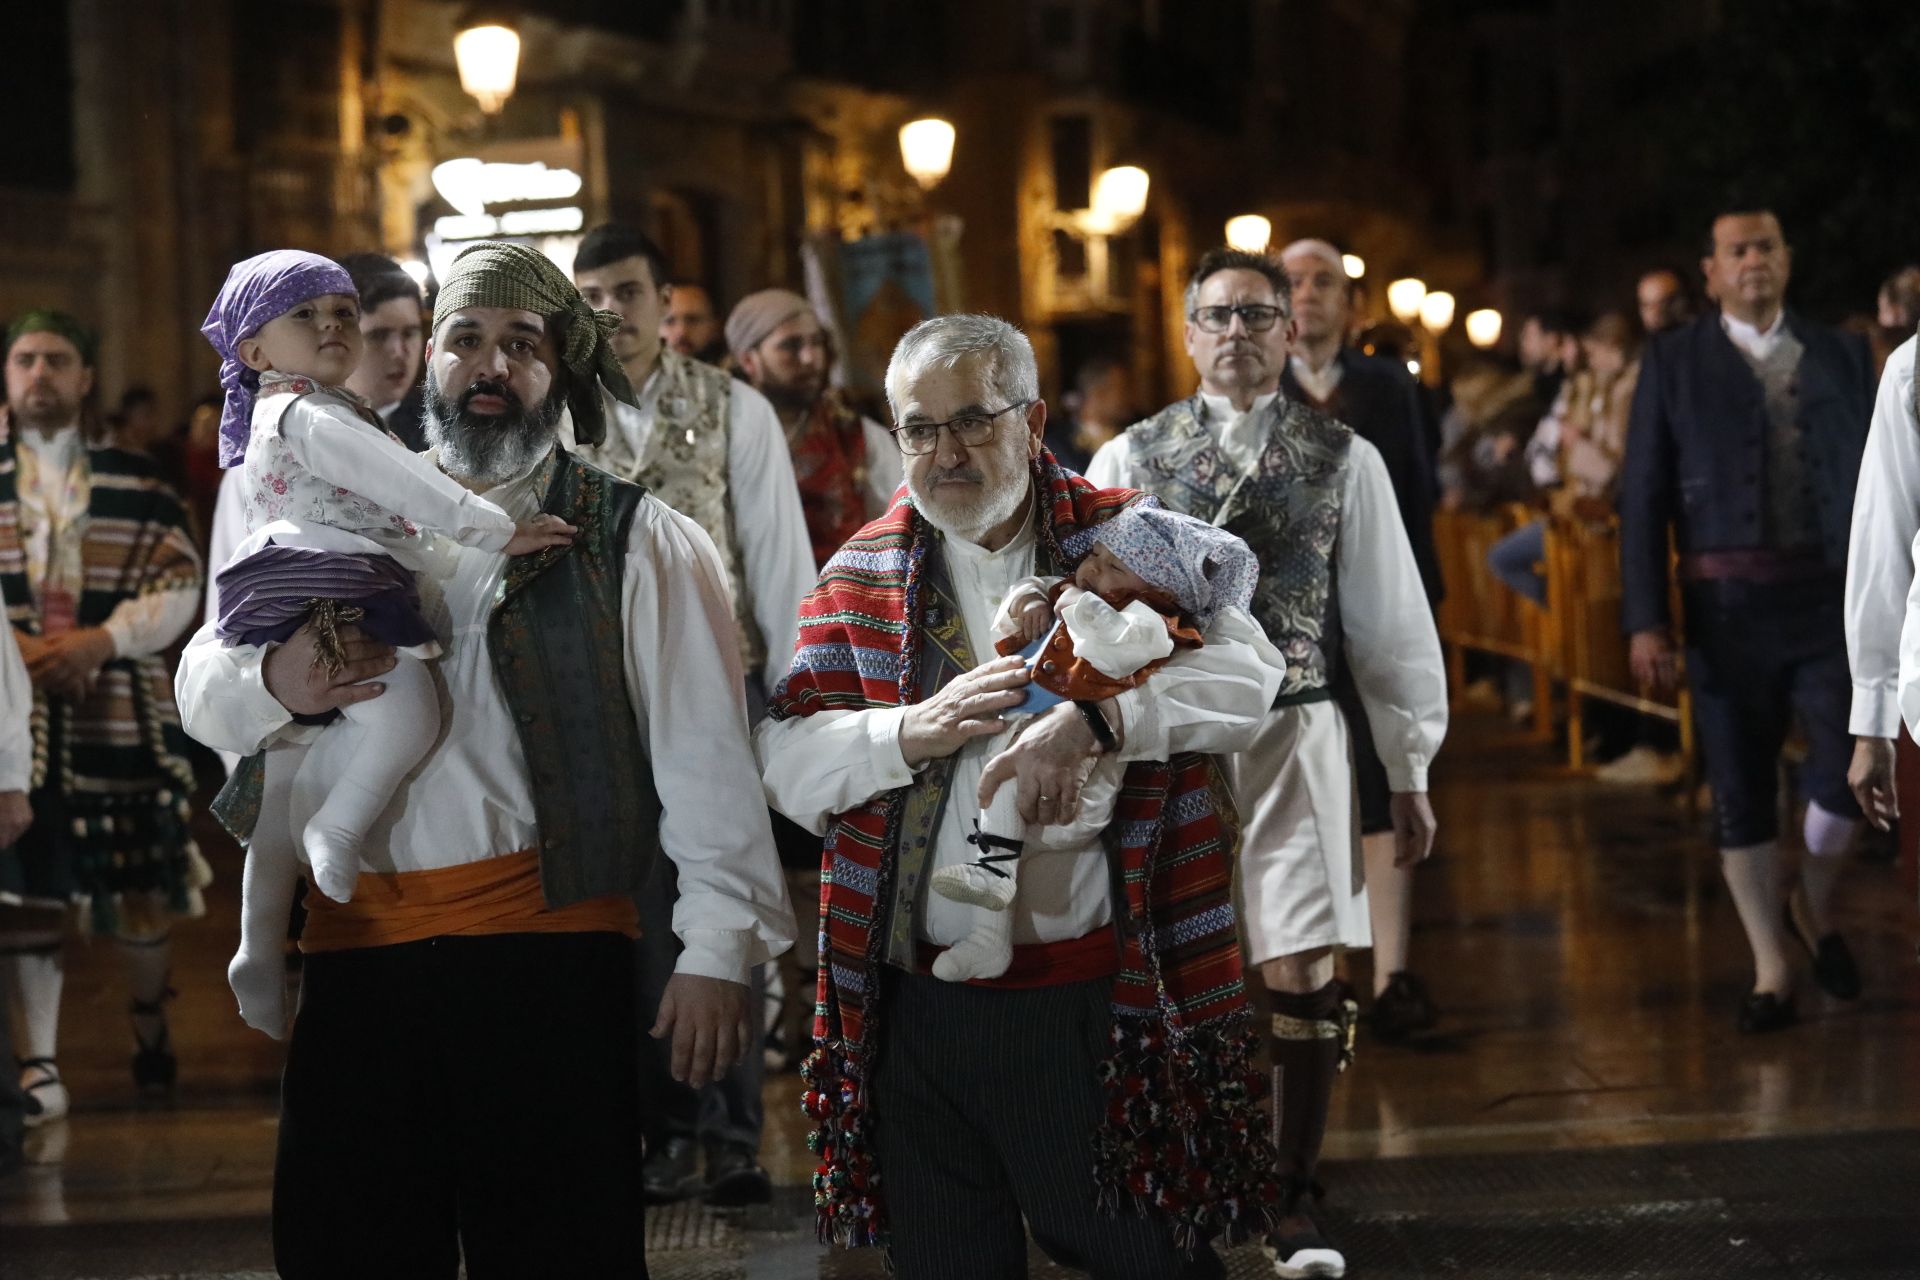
(489, 448)
(789, 398)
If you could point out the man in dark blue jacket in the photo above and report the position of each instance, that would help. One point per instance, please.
(1745, 442)
(1380, 400)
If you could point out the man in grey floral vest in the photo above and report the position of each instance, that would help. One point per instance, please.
(1338, 586)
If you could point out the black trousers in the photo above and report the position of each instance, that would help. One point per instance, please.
(1757, 656)
(456, 1095)
(985, 1104)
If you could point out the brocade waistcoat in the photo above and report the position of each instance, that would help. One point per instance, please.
(1287, 509)
(685, 466)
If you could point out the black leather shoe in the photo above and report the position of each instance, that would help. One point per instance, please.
(1404, 1007)
(1833, 965)
(672, 1172)
(1763, 1012)
(735, 1178)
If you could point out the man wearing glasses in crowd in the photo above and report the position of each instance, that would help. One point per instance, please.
(1338, 587)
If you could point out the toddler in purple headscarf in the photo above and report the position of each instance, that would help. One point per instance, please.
(340, 517)
(1151, 584)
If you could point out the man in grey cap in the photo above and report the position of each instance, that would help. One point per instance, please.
(845, 464)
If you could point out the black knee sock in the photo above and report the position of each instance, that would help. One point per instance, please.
(1309, 1041)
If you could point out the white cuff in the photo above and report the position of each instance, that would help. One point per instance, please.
(17, 775)
(265, 716)
(1407, 775)
(1143, 734)
(717, 953)
(890, 767)
(1876, 712)
(122, 641)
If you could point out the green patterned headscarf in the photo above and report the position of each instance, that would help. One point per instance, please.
(49, 320)
(490, 274)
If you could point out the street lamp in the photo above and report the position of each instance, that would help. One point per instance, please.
(1119, 197)
(1355, 265)
(1404, 298)
(926, 150)
(1249, 233)
(1483, 327)
(487, 52)
(1436, 311)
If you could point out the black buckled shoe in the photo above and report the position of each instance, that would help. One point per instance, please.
(671, 1172)
(735, 1178)
(1403, 1008)
(1763, 1011)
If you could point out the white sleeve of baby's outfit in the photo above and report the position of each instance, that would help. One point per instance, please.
(1006, 618)
(344, 451)
(1118, 642)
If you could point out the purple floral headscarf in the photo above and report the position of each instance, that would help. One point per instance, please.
(1203, 568)
(257, 291)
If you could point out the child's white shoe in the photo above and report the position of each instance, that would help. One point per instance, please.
(984, 953)
(975, 885)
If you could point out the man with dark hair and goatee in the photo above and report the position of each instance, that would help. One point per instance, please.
(595, 720)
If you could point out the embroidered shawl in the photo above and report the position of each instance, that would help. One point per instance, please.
(1182, 1135)
(117, 756)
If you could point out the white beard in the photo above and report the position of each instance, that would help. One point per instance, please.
(972, 521)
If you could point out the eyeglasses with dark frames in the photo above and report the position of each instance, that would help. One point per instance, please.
(1256, 317)
(971, 429)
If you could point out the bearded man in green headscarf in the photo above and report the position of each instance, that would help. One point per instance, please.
(463, 1077)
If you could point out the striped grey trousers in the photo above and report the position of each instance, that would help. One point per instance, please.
(984, 1107)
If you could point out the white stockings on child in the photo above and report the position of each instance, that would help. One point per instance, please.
(384, 738)
(258, 973)
(988, 883)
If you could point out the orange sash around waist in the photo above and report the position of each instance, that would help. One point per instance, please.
(493, 895)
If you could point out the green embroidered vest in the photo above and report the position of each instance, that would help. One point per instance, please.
(1287, 510)
(558, 648)
(685, 466)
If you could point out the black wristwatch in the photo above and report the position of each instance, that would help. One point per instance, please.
(1102, 731)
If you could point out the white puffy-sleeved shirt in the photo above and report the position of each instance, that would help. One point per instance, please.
(1880, 563)
(472, 799)
(312, 460)
(1391, 645)
(1210, 699)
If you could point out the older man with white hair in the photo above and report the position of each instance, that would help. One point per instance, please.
(1039, 1095)
(1338, 588)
